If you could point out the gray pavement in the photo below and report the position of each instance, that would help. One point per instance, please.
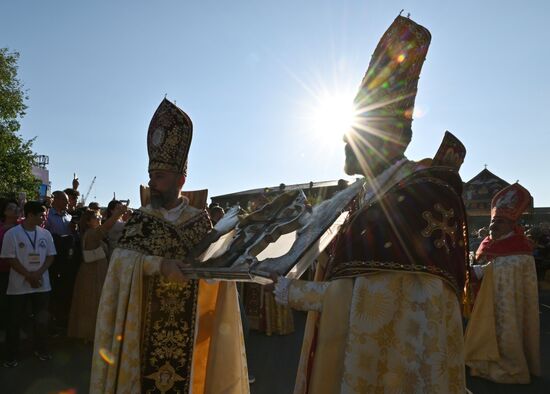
(272, 360)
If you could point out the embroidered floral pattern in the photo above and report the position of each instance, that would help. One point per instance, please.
(170, 309)
(404, 334)
(516, 310)
(169, 138)
(153, 236)
(307, 296)
(168, 334)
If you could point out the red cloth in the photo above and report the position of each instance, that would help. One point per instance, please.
(515, 244)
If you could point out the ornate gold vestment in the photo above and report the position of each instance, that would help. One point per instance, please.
(168, 328)
(503, 334)
(158, 337)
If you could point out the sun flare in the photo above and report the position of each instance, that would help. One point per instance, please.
(332, 115)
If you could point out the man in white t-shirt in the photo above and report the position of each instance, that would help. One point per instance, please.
(29, 249)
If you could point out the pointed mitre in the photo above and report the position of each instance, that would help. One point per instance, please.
(510, 202)
(385, 101)
(169, 139)
(451, 152)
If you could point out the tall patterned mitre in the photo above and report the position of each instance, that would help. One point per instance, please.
(385, 101)
(510, 202)
(169, 139)
(451, 152)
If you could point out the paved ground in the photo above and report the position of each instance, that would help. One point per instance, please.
(273, 361)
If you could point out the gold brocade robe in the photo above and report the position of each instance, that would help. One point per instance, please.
(390, 322)
(387, 332)
(157, 337)
(502, 337)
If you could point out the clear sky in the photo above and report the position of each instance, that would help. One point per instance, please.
(256, 77)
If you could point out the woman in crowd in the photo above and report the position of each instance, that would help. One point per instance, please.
(9, 215)
(91, 275)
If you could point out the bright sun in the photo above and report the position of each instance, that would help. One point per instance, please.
(331, 116)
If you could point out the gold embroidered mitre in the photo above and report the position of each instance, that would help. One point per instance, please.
(385, 101)
(169, 139)
(451, 152)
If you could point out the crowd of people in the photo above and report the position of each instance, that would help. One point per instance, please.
(53, 261)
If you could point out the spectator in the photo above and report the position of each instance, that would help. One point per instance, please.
(73, 207)
(72, 195)
(94, 206)
(29, 250)
(9, 214)
(59, 220)
(91, 275)
(115, 232)
(540, 236)
(65, 267)
(216, 213)
(48, 202)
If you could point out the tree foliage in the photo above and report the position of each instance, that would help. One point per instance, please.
(16, 155)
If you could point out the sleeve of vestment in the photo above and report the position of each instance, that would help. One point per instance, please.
(306, 295)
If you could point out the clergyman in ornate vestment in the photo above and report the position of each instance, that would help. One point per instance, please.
(502, 337)
(157, 332)
(386, 312)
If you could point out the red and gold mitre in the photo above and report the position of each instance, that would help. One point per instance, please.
(510, 202)
(169, 139)
(385, 101)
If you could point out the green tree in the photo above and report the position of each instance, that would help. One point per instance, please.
(16, 155)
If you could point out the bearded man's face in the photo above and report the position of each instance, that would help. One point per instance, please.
(366, 155)
(164, 186)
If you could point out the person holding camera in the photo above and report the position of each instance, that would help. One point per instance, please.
(92, 272)
(115, 232)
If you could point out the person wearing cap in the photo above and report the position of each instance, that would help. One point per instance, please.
(502, 337)
(387, 315)
(156, 330)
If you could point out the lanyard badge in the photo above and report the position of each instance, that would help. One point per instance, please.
(34, 258)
